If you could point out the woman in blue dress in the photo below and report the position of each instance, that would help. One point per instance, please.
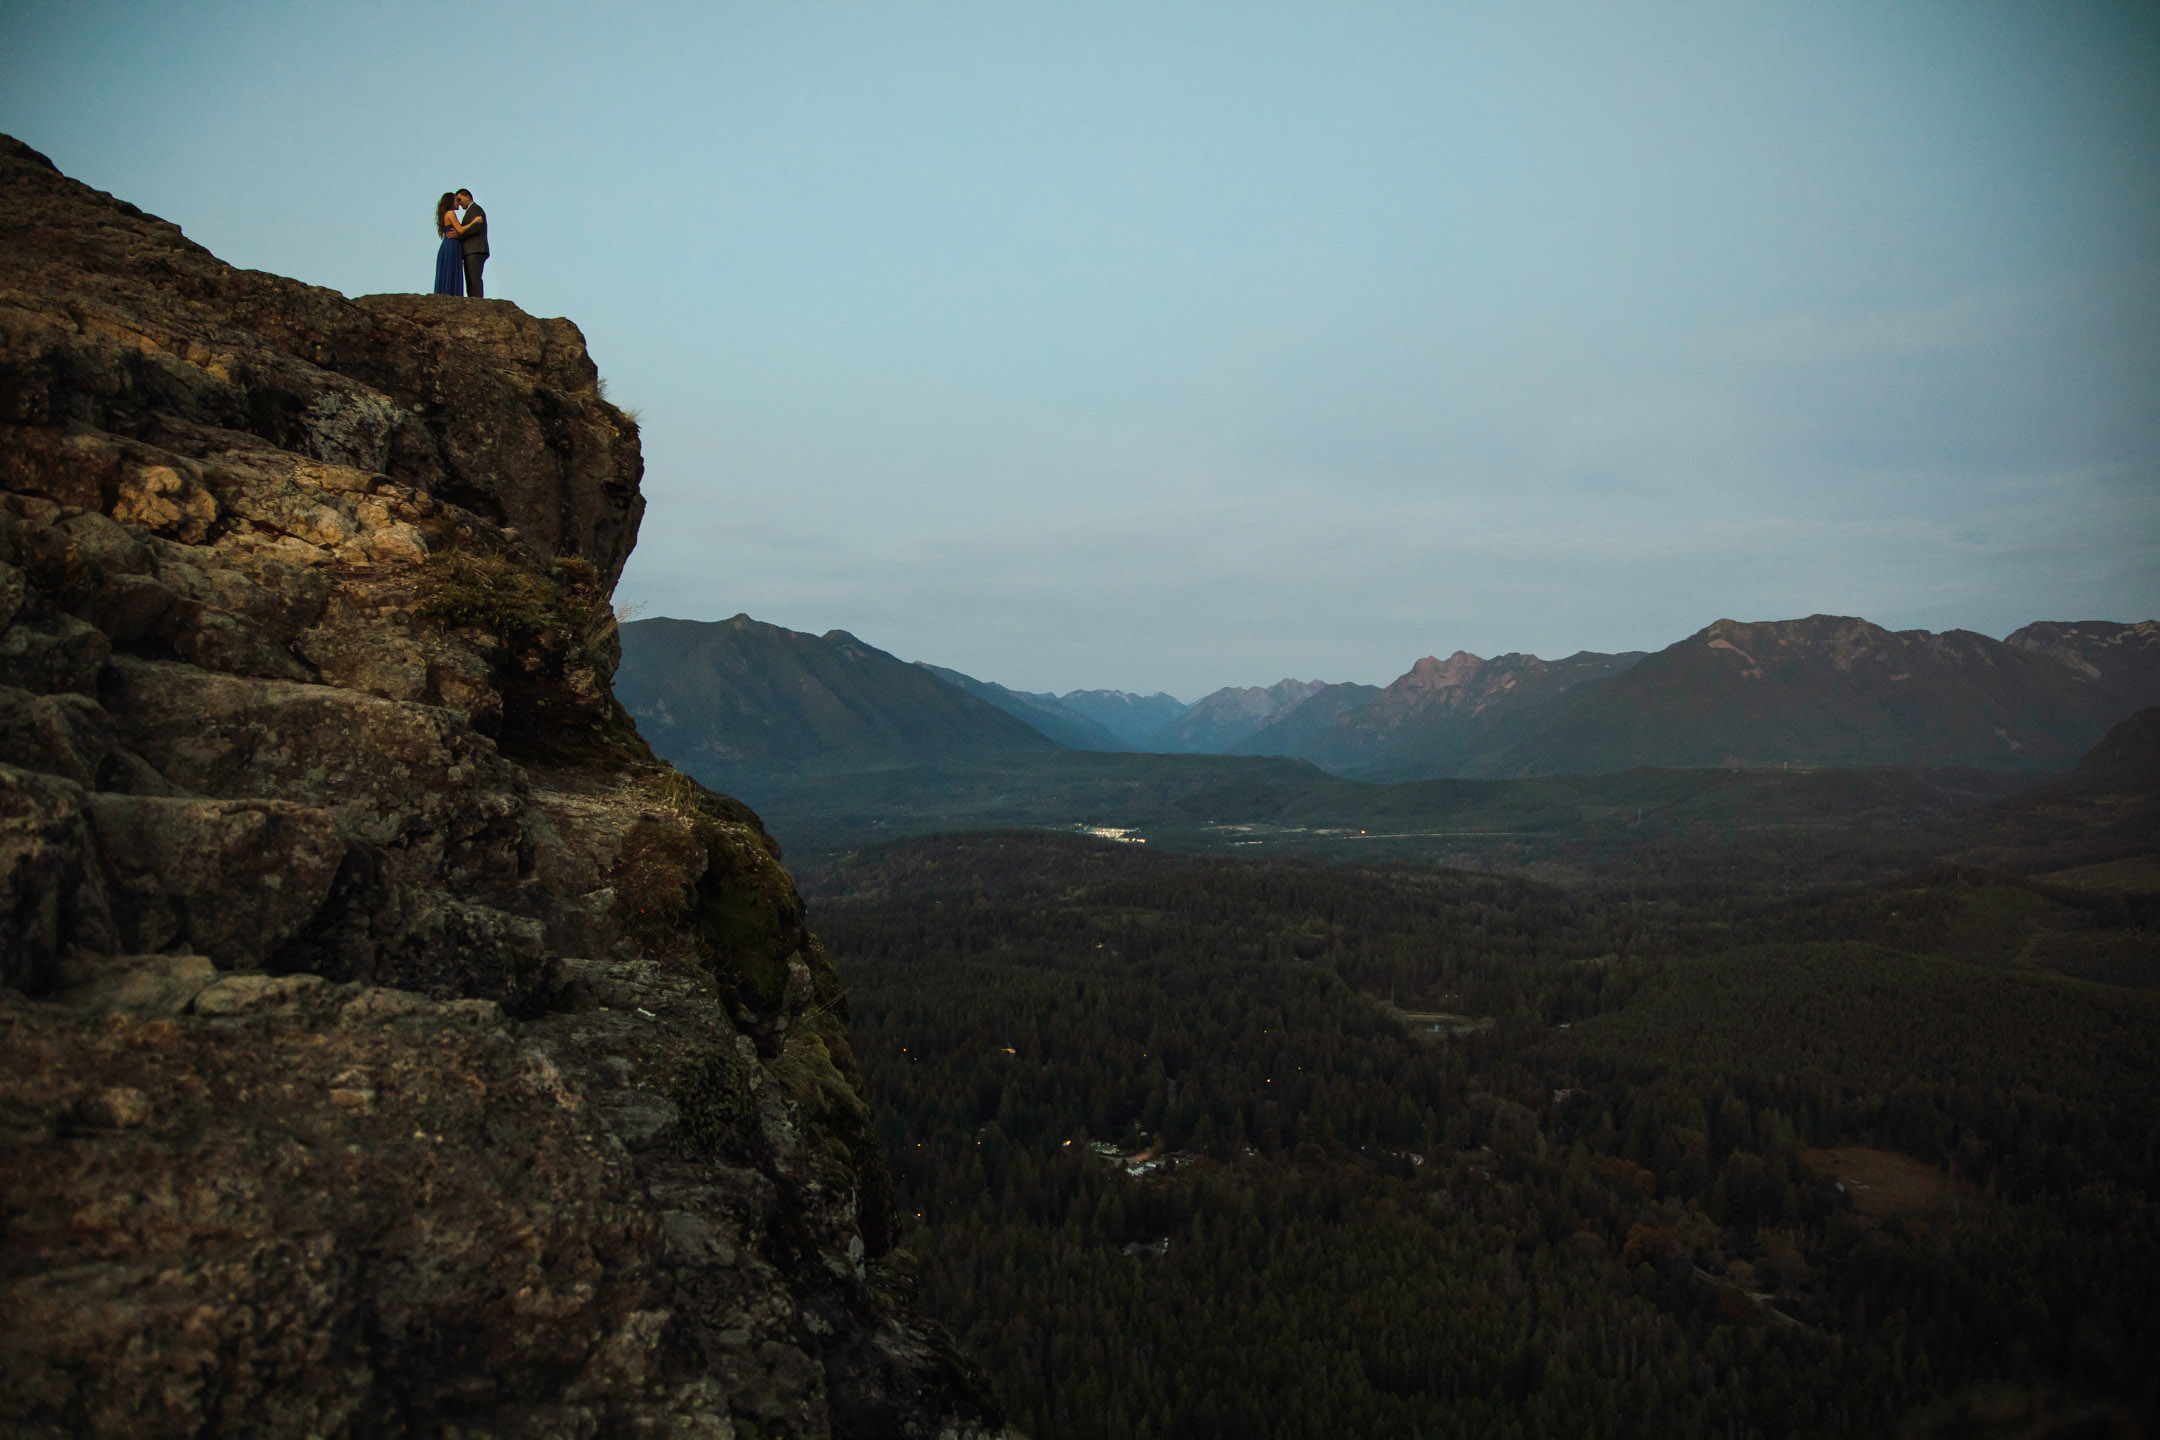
(450, 255)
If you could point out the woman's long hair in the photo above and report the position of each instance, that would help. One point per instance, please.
(443, 207)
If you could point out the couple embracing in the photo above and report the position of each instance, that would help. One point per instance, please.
(464, 249)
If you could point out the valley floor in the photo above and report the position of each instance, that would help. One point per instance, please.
(1690, 1155)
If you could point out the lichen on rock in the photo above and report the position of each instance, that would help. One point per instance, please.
(391, 1044)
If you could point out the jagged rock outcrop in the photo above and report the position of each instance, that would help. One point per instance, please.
(392, 1045)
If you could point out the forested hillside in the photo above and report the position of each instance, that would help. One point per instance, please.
(1201, 1147)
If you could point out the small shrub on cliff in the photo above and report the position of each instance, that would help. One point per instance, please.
(686, 797)
(700, 887)
(805, 1067)
(556, 650)
(817, 1068)
(560, 612)
(654, 876)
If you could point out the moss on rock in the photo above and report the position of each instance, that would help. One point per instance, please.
(711, 1090)
(555, 651)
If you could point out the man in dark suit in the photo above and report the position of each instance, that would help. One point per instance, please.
(474, 242)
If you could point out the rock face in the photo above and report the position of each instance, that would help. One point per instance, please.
(392, 1045)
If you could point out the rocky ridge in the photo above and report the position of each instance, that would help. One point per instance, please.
(1835, 690)
(2123, 660)
(393, 1046)
(1824, 690)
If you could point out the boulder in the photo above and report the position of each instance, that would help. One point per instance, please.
(145, 986)
(231, 879)
(66, 735)
(51, 652)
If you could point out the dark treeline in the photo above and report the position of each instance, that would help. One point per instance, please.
(1447, 1154)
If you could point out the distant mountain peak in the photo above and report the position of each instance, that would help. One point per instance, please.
(1845, 642)
(741, 692)
(1461, 682)
(1416, 725)
(1286, 690)
(1134, 719)
(1124, 697)
(1432, 665)
(2117, 655)
(1047, 713)
(1217, 722)
(1431, 675)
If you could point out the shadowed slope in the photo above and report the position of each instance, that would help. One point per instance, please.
(1046, 713)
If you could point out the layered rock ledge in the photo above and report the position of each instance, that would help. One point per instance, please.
(392, 1046)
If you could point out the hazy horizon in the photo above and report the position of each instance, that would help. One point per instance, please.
(1175, 348)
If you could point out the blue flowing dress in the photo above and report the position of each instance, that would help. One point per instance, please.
(450, 267)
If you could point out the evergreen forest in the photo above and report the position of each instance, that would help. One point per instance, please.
(1194, 1146)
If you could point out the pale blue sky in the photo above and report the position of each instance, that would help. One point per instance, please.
(1181, 345)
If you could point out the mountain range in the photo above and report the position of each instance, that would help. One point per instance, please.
(1826, 690)
(1822, 691)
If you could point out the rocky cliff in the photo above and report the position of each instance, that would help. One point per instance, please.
(392, 1045)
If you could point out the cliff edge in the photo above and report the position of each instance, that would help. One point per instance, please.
(392, 1045)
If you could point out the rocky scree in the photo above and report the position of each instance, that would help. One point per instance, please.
(392, 1045)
